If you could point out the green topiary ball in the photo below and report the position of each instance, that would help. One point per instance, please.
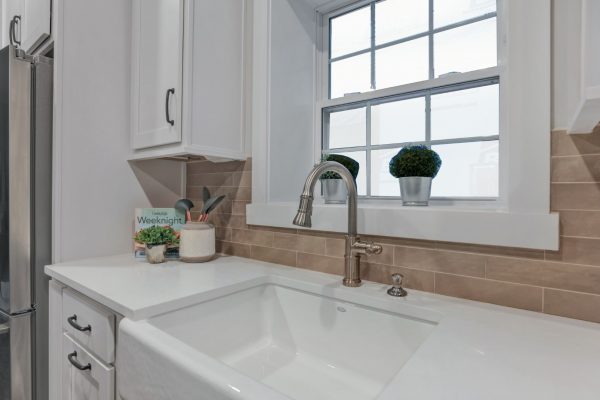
(350, 164)
(415, 161)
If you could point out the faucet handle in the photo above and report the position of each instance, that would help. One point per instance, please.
(396, 290)
(367, 247)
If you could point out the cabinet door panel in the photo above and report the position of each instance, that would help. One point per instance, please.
(156, 72)
(217, 109)
(95, 382)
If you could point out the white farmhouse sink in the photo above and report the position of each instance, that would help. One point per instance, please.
(302, 345)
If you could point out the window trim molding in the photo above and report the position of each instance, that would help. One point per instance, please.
(525, 124)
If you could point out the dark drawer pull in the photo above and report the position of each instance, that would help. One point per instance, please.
(73, 360)
(73, 322)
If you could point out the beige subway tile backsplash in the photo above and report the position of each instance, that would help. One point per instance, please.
(331, 265)
(488, 291)
(580, 223)
(270, 254)
(543, 273)
(572, 304)
(564, 144)
(576, 168)
(575, 196)
(564, 282)
(577, 250)
(467, 264)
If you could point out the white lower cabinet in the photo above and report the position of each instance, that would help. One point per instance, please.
(84, 377)
(82, 335)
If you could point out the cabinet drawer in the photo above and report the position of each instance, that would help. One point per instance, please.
(84, 376)
(89, 324)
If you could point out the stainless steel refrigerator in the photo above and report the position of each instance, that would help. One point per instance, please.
(25, 222)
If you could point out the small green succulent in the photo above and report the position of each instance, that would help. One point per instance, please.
(415, 161)
(350, 164)
(157, 235)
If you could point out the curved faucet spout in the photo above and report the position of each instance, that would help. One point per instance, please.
(303, 217)
(354, 246)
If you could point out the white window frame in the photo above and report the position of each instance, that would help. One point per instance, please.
(451, 82)
(520, 217)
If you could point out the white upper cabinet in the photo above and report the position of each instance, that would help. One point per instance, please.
(156, 72)
(188, 69)
(26, 23)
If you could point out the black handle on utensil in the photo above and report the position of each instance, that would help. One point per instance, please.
(72, 320)
(12, 35)
(169, 93)
(73, 360)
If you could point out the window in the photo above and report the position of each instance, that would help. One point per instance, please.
(403, 72)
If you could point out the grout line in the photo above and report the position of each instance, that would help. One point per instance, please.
(575, 155)
(543, 299)
(574, 183)
(576, 209)
(580, 237)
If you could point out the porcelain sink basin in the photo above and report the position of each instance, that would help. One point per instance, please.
(302, 345)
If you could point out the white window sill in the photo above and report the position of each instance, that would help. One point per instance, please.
(439, 223)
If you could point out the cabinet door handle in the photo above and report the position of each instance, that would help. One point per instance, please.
(169, 93)
(72, 320)
(12, 32)
(73, 360)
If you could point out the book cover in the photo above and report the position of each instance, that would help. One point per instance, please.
(147, 217)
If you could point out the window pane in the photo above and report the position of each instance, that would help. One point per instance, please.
(465, 113)
(467, 48)
(447, 12)
(398, 122)
(361, 180)
(403, 63)
(348, 128)
(468, 169)
(351, 75)
(395, 19)
(382, 183)
(351, 32)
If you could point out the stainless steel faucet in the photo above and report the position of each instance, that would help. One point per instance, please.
(354, 246)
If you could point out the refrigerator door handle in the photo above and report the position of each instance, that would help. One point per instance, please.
(12, 32)
(4, 328)
(72, 320)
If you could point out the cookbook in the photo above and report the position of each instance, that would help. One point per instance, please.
(147, 217)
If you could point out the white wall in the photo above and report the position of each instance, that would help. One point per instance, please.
(95, 188)
(566, 33)
(292, 95)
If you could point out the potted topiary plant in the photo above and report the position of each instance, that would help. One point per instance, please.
(334, 189)
(156, 239)
(415, 167)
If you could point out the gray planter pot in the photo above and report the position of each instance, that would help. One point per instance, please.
(156, 254)
(415, 190)
(334, 191)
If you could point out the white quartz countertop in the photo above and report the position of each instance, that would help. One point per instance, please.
(478, 351)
